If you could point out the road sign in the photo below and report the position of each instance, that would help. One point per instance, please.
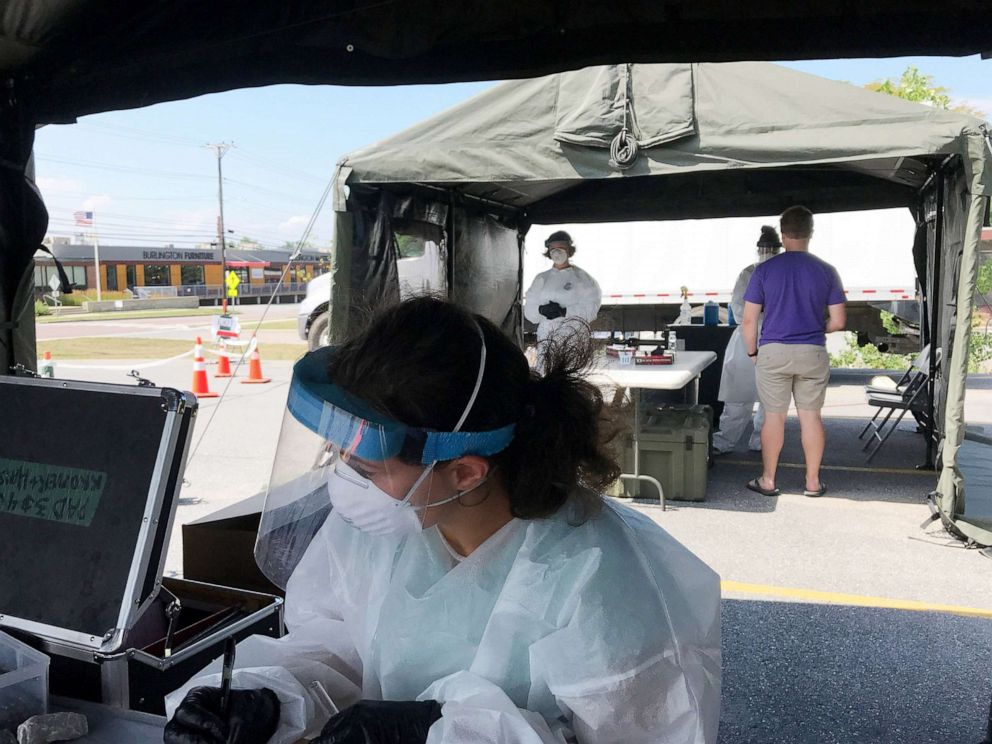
(232, 282)
(226, 326)
(55, 282)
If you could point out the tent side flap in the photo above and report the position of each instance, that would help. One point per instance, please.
(487, 268)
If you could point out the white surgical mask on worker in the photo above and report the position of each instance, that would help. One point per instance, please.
(559, 256)
(364, 505)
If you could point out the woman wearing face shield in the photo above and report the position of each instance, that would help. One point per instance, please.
(454, 574)
(738, 389)
(562, 292)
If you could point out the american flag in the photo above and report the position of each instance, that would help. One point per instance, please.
(83, 218)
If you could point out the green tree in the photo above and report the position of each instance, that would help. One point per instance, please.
(984, 284)
(919, 87)
(290, 245)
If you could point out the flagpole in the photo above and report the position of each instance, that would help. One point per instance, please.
(96, 258)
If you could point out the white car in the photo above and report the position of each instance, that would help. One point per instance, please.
(420, 271)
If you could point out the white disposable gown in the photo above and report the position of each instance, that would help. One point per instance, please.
(605, 631)
(738, 386)
(572, 288)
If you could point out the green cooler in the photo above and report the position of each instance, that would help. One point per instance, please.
(675, 447)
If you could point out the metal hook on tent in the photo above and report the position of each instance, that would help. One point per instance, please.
(624, 148)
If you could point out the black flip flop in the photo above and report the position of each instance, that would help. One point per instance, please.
(816, 494)
(755, 485)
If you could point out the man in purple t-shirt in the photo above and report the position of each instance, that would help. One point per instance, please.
(802, 299)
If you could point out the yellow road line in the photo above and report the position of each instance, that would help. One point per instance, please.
(847, 468)
(812, 595)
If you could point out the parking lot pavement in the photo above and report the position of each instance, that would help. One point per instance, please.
(234, 437)
(862, 538)
(801, 664)
(184, 327)
(821, 674)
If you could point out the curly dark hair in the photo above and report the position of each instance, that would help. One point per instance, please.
(417, 362)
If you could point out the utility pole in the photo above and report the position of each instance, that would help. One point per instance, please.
(221, 148)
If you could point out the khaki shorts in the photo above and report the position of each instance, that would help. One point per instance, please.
(785, 371)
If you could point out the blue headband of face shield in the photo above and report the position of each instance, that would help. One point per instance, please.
(348, 422)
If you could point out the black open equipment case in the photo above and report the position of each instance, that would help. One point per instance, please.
(90, 475)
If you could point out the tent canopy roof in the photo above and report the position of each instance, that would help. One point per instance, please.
(732, 138)
(75, 57)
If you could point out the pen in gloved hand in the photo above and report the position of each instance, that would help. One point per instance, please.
(225, 677)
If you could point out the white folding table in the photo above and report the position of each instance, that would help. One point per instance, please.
(683, 374)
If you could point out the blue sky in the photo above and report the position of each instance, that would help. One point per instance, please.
(149, 179)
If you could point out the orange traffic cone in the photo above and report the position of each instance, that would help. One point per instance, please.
(223, 362)
(201, 388)
(255, 370)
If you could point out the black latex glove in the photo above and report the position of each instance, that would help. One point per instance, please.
(551, 310)
(252, 718)
(381, 722)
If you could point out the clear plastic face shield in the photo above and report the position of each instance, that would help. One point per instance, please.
(335, 453)
(766, 251)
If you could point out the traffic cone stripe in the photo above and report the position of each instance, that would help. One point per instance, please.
(223, 362)
(255, 370)
(201, 387)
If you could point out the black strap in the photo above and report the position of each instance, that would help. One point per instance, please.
(63, 277)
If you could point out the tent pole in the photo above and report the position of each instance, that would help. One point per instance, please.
(938, 252)
(16, 138)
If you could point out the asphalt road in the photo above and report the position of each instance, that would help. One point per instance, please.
(802, 663)
(154, 327)
(823, 674)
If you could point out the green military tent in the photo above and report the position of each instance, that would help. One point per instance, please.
(673, 141)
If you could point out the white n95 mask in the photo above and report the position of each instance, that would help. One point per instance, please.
(559, 255)
(367, 507)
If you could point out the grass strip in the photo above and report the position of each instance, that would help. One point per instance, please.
(130, 315)
(114, 347)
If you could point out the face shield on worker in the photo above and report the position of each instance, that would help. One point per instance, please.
(769, 243)
(559, 248)
(337, 453)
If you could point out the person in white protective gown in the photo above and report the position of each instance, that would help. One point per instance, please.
(563, 293)
(452, 572)
(738, 387)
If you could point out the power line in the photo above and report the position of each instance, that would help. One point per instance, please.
(56, 192)
(274, 166)
(119, 168)
(263, 189)
(142, 225)
(142, 132)
(136, 137)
